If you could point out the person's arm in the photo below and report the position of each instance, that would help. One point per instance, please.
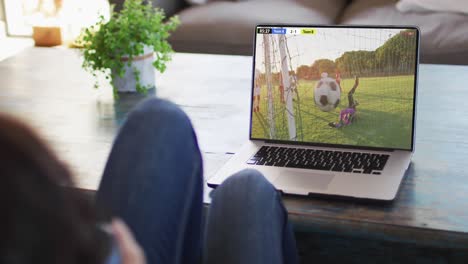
(130, 251)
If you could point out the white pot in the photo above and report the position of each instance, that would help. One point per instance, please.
(144, 64)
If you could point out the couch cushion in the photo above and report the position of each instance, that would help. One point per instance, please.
(457, 6)
(227, 27)
(197, 2)
(444, 36)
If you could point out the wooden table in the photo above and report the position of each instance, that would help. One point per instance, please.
(47, 88)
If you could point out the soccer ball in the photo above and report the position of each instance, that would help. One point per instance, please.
(327, 93)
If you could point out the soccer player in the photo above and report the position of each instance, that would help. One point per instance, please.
(257, 92)
(347, 114)
(281, 88)
(338, 79)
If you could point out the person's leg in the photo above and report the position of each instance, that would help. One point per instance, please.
(351, 98)
(351, 101)
(247, 223)
(335, 125)
(255, 103)
(153, 181)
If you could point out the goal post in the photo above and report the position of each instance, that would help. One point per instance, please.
(271, 114)
(288, 87)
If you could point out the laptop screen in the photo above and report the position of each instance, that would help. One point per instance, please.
(341, 86)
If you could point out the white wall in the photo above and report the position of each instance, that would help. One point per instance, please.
(2, 21)
(2, 13)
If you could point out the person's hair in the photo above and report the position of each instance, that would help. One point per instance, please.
(42, 219)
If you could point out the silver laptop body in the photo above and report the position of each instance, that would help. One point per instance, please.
(333, 110)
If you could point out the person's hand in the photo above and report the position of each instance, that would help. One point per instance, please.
(130, 251)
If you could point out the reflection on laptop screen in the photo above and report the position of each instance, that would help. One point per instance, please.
(335, 85)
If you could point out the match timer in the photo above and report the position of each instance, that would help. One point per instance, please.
(264, 31)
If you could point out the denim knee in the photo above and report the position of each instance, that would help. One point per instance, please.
(165, 111)
(248, 181)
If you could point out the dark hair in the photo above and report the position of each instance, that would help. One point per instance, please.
(42, 220)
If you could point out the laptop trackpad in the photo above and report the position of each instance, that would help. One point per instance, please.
(302, 182)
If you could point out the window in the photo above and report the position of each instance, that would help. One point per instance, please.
(70, 15)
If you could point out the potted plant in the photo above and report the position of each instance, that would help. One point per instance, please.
(127, 48)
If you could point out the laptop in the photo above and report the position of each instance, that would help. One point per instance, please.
(332, 110)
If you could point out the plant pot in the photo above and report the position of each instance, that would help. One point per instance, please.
(144, 64)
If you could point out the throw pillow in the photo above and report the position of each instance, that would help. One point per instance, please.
(201, 2)
(458, 6)
(197, 2)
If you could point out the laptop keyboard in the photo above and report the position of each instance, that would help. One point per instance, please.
(316, 159)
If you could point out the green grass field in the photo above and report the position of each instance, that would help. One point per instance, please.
(383, 117)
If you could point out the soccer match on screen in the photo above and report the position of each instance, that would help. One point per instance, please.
(335, 86)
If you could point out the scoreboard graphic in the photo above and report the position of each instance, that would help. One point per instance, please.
(286, 31)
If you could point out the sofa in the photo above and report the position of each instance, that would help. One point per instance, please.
(226, 27)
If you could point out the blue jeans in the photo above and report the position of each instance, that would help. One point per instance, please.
(153, 180)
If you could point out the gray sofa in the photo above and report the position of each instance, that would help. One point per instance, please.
(226, 27)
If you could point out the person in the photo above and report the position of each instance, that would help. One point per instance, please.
(257, 94)
(152, 188)
(281, 88)
(338, 79)
(347, 115)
